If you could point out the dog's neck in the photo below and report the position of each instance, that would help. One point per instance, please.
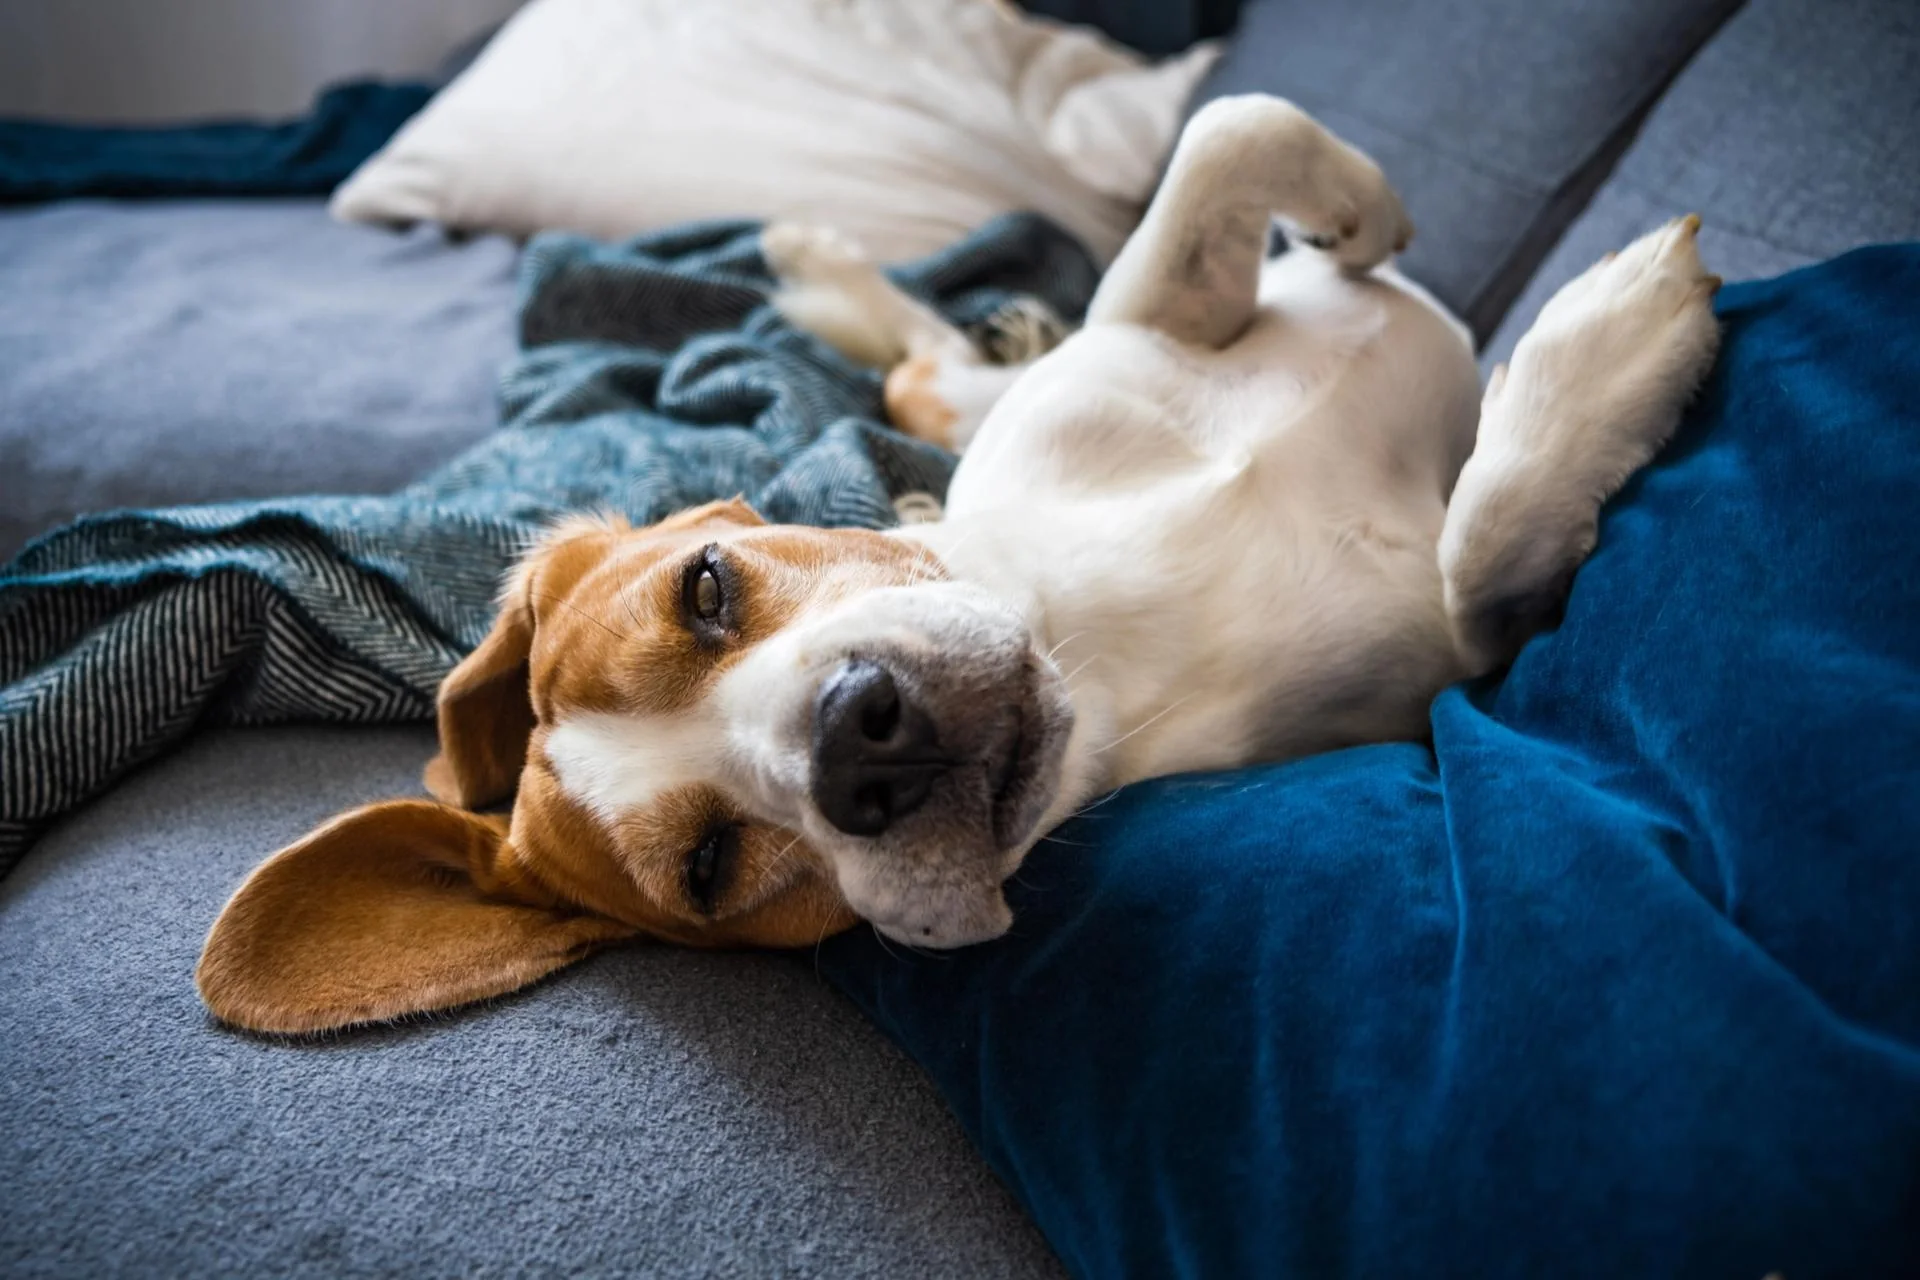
(983, 551)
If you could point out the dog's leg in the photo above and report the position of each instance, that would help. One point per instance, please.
(939, 387)
(1192, 268)
(1594, 390)
(830, 288)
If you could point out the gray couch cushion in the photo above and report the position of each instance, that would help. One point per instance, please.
(1795, 135)
(1496, 119)
(189, 351)
(650, 1112)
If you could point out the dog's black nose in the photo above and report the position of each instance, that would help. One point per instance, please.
(875, 754)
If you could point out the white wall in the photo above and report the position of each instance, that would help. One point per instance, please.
(135, 60)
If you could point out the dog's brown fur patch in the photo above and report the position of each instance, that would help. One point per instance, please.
(914, 404)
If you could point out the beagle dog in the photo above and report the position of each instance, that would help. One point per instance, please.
(1251, 510)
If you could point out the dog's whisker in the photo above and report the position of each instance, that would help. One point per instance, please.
(1063, 644)
(1081, 813)
(1166, 710)
(571, 607)
(826, 923)
(1028, 885)
(1078, 844)
(923, 953)
(779, 859)
(881, 938)
(932, 558)
(626, 602)
(923, 567)
(1067, 679)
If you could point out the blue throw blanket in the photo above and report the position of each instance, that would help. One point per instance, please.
(308, 156)
(654, 376)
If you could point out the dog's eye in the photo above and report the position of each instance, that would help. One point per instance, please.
(708, 864)
(704, 595)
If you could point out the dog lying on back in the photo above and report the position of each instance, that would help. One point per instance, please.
(1246, 513)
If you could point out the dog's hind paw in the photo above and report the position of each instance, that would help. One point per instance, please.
(801, 253)
(1594, 391)
(1602, 376)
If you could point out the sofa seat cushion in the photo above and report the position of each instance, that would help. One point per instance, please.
(203, 350)
(652, 1112)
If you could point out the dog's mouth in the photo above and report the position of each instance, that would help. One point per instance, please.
(1023, 776)
(1008, 776)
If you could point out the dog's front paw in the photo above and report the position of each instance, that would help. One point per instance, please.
(1351, 211)
(1326, 193)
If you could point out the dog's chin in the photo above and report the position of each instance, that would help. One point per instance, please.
(957, 923)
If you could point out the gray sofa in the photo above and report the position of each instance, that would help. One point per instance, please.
(657, 1112)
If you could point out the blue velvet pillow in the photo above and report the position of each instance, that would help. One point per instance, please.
(1620, 977)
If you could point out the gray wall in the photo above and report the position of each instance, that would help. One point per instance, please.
(139, 60)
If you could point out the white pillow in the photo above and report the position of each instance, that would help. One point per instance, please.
(902, 123)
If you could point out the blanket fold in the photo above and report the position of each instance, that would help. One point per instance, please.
(654, 377)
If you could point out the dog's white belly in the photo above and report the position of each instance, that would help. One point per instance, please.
(1231, 552)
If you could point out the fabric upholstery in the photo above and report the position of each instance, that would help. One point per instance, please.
(1495, 119)
(1154, 27)
(194, 350)
(1793, 135)
(653, 1112)
(1620, 976)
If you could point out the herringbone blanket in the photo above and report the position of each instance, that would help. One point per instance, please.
(653, 376)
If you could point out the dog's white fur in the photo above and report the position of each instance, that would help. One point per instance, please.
(1247, 512)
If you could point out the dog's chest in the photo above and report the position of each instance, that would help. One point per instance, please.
(1120, 410)
(1235, 546)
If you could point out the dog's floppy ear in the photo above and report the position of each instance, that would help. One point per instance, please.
(485, 706)
(734, 511)
(486, 716)
(397, 908)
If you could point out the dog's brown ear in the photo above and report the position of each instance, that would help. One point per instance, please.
(396, 908)
(486, 716)
(734, 511)
(485, 705)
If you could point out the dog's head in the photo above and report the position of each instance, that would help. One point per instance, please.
(716, 732)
